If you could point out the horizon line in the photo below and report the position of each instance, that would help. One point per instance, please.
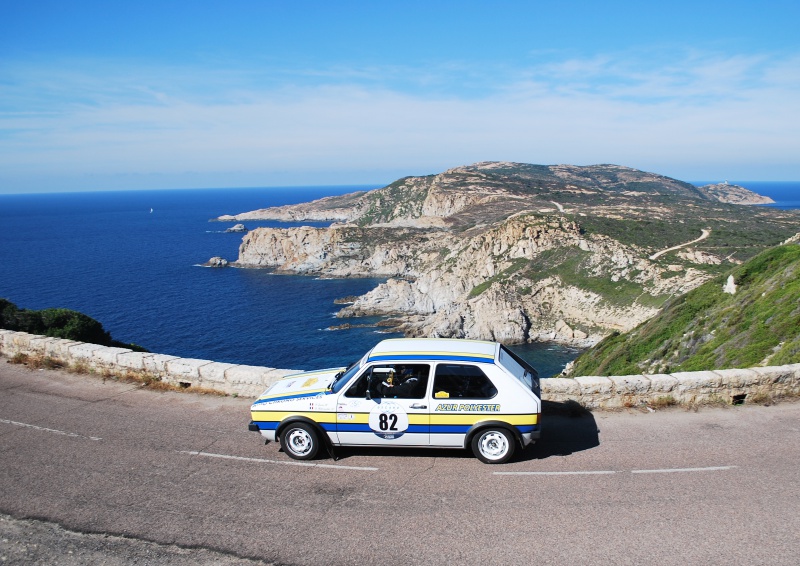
(357, 186)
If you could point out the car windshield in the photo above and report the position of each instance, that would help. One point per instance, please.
(343, 378)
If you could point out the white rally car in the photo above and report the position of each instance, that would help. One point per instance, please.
(438, 393)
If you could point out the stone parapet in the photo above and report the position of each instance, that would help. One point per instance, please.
(233, 379)
(681, 388)
(729, 385)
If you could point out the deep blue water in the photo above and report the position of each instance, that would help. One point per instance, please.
(136, 271)
(786, 194)
(107, 255)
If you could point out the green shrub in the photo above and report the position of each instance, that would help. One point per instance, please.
(708, 329)
(72, 325)
(58, 323)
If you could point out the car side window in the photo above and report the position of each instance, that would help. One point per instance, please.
(392, 381)
(462, 381)
(359, 386)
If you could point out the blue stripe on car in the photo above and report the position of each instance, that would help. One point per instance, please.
(458, 358)
(295, 396)
(434, 429)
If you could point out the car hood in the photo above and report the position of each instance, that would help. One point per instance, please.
(307, 384)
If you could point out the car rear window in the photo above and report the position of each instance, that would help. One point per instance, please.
(462, 381)
(519, 368)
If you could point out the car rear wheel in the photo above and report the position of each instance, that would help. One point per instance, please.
(300, 441)
(493, 446)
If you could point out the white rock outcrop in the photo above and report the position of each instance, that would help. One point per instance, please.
(730, 286)
(450, 286)
(216, 261)
(498, 250)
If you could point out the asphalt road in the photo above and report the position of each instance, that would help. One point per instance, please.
(100, 472)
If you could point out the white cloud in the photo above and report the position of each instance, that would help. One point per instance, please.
(699, 110)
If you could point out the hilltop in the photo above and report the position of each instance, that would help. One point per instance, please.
(452, 194)
(746, 318)
(518, 252)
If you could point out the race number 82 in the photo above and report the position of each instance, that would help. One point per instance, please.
(388, 420)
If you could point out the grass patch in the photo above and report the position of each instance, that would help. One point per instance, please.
(760, 398)
(80, 367)
(708, 329)
(36, 362)
(517, 264)
(149, 381)
(401, 199)
(647, 233)
(662, 402)
(571, 266)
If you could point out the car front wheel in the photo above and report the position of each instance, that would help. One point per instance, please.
(300, 441)
(493, 446)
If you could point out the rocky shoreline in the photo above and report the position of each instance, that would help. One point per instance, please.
(510, 252)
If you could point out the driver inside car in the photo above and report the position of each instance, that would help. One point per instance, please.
(399, 383)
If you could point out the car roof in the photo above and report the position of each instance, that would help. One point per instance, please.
(434, 349)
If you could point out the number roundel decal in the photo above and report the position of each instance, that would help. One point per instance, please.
(388, 420)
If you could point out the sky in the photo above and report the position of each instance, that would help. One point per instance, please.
(99, 95)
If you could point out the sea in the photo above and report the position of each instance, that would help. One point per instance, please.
(133, 261)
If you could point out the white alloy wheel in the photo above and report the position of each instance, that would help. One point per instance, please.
(493, 446)
(299, 440)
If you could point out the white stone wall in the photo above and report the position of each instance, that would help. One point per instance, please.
(250, 381)
(728, 385)
(247, 381)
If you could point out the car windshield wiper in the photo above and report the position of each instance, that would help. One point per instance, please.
(336, 378)
(339, 376)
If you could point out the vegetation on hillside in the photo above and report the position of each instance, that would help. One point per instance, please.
(58, 323)
(636, 208)
(709, 329)
(590, 248)
(401, 199)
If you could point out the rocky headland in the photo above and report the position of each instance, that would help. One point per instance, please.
(516, 252)
(734, 194)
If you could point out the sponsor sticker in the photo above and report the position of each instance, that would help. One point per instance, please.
(469, 407)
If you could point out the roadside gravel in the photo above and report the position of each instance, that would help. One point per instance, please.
(40, 542)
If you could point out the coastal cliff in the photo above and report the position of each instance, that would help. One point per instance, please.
(734, 194)
(516, 252)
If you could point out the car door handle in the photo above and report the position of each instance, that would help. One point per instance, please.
(418, 406)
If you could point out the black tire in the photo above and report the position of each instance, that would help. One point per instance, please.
(300, 441)
(493, 445)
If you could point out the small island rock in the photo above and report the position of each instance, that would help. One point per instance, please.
(237, 228)
(216, 262)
